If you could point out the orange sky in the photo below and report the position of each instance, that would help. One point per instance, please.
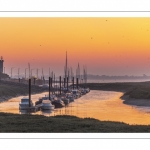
(111, 46)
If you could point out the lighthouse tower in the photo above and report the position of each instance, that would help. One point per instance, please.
(1, 64)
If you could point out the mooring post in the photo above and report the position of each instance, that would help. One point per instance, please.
(49, 87)
(60, 84)
(77, 83)
(67, 83)
(64, 82)
(73, 82)
(29, 92)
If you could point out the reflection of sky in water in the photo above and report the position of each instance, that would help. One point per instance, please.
(102, 105)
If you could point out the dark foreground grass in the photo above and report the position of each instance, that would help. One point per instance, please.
(15, 123)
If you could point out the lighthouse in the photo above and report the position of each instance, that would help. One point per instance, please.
(1, 64)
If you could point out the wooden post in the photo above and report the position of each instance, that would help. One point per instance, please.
(64, 82)
(67, 83)
(77, 83)
(73, 82)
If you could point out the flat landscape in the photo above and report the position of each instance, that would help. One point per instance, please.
(15, 123)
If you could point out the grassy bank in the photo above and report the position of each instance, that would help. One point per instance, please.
(12, 89)
(15, 123)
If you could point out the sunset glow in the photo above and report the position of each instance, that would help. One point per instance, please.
(111, 46)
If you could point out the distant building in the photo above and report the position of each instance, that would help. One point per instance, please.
(1, 64)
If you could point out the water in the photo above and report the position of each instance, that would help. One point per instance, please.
(102, 105)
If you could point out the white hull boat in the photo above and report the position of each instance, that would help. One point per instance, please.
(47, 105)
(24, 104)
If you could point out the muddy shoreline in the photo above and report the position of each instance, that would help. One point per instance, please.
(137, 102)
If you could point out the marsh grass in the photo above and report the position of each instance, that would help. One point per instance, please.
(137, 90)
(15, 123)
(11, 89)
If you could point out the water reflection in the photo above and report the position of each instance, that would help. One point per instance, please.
(24, 112)
(47, 112)
(102, 105)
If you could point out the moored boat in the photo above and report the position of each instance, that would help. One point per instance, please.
(70, 97)
(87, 90)
(41, 99)
(24, 104)
(47, 105)
(58, 103)
(75, 93)
(65, 100)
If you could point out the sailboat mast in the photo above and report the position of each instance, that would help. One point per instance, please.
(29, 69)
(65, 69)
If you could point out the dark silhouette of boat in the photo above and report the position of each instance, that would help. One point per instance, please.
(65, 100)
(58, 103)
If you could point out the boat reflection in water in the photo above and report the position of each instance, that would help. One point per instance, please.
(48, 112)
(24, 111)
